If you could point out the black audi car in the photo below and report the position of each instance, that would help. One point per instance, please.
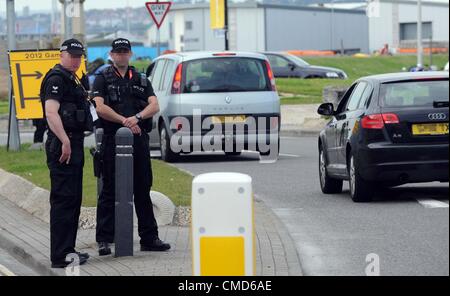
(285, 65)
(387, 130)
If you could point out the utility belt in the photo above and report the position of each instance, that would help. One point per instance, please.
(76, 118)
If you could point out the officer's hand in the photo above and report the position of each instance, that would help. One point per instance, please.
(66, 152)
(136, 130)
(130, 122)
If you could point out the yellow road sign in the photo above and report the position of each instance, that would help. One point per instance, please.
(28, 68)
(217, 10)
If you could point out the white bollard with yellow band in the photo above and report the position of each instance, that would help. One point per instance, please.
(223, 242)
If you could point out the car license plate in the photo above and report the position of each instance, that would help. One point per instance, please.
(229, 119)
(430, 129)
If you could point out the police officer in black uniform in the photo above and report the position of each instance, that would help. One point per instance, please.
(66, 109)
(125, 98)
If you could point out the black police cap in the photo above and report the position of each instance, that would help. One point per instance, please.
(72, 46)
(120, 43)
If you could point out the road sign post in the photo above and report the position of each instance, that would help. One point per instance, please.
(219, 18)
(13, 126)
(158, 11)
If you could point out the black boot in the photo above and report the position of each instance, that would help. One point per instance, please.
(65, 263)
(156, 246)
(104, 249)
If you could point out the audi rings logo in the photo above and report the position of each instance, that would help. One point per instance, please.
(437, 116)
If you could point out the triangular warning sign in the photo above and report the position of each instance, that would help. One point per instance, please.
(158, 11)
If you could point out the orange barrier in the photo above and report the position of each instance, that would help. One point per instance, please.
(311, 52)
(425, 50)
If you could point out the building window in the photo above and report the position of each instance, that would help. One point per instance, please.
(188, 25)
(408, 31)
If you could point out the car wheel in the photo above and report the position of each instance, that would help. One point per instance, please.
(327, 184)
(360, 189)
(167, 154)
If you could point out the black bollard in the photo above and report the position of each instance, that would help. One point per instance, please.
(124, 193)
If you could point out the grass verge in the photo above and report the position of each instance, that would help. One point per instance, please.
(309, 91)
(32, 166)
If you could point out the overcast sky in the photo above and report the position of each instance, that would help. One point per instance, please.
(42, 5)
(46, 5)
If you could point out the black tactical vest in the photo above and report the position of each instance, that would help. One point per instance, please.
(74, 106)
(126, 97)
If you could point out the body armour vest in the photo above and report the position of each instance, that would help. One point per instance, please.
(74, 105)
(126, 97)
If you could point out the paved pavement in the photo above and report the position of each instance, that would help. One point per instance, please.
(10, 266)
(406, 227)
(27, 239)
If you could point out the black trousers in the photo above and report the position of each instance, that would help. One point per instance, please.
(143, 179)
(41, 126)
(65, 195)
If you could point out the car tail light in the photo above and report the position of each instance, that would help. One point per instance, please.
(178, 124)
(224, 54)
(176, 85)
(377, 121)
(390, 118)
(271, 77)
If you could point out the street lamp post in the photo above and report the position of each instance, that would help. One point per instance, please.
(227, 30)
(331, 25)
(419, 34)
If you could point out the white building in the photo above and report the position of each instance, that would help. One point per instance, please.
(394, 22)
(267, 27)
(353, 26)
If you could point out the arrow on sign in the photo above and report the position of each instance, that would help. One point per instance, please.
(22, 97)
(37, 74)
(158, 11)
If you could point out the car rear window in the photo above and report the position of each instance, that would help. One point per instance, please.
(225, 75)
(414, 93)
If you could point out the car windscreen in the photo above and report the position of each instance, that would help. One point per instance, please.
(414, 93)
(225, 74)
(297, 60)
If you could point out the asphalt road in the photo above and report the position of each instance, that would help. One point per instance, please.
(405, 229)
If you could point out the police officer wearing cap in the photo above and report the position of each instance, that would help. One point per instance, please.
(125, 98)
(64, 97)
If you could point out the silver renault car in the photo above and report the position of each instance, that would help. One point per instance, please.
(215, 101)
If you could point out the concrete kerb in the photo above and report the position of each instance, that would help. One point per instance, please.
(24, 253)
(30, 257)
(35, 201)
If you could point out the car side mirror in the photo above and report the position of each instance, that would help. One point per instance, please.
(292, 66)
(326, 109)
